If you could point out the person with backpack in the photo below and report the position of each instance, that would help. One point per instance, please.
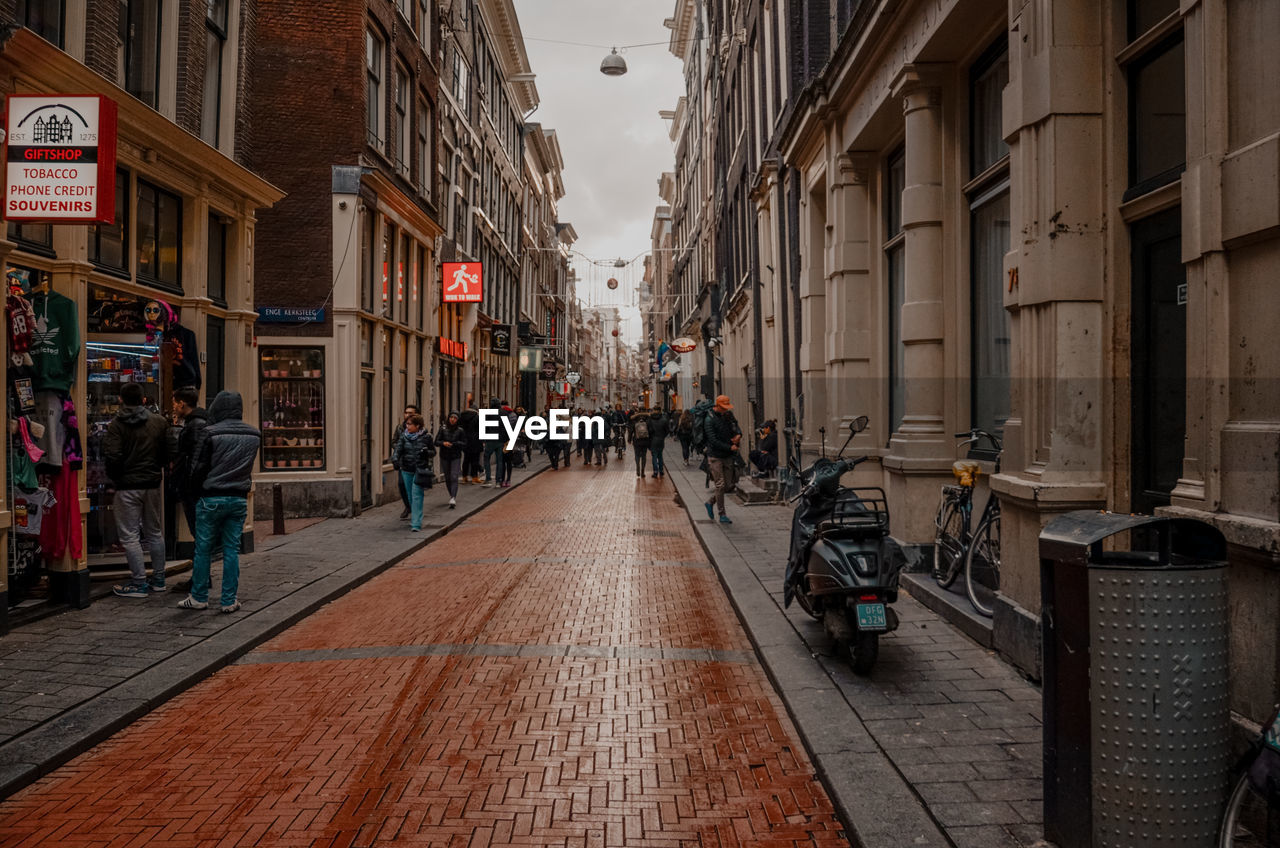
(640, 439)
(412, 454)
(721, 437)
(684, 432)
(659, 425)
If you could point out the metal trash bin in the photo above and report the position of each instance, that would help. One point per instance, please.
(1136, 716)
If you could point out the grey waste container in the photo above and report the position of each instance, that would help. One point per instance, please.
(1135, 681)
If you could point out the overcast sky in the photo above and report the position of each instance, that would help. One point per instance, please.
(614, 144)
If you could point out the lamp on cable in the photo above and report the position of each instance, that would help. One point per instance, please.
(613, 65)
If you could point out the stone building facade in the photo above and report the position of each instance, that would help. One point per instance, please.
(1049, 219)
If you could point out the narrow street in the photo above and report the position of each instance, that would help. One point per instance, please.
(561, 669)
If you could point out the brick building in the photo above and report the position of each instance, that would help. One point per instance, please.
(347, 266)
(186, 204)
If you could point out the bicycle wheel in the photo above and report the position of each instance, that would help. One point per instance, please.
(1249, 821)
(982, 565)
(948, 547)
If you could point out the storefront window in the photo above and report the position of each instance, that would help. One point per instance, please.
(217, 260)
(39, 236)
(990, 327)
(366, 343)
(368, 259)
(388, 249)
(403, 279)
(895, 265)
(159, 239)
(986, 91)
(107, 241)
(292, 405)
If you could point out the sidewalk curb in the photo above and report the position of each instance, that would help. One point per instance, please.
(877, 806)
(30, 756)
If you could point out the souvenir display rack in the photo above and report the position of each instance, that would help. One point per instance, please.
(292, 406)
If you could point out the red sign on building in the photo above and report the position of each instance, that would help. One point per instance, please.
(463, 282)
(60, 163)
(449, 347)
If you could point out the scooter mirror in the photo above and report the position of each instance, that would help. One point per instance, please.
(859, 424)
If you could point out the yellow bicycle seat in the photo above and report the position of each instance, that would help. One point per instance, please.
(966, 471)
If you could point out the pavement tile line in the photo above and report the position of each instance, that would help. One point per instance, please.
(545, 748)
(43, 747)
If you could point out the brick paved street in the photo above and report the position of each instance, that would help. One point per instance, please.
(562, 669)
(940, 722)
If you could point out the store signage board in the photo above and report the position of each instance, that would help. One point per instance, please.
(463, 282)
(573, 377)
(530, 359)
(449, 347)
(60, 159)
(290, 315)
(500, 339)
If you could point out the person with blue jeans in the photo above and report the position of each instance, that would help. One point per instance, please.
(222, 472)
(412, 454)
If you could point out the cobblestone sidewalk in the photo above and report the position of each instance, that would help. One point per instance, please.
(940, 722)
(563, 670)
(68, 680)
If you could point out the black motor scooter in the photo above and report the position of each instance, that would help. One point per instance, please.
(843, 567)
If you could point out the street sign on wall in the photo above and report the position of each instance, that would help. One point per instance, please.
(463, 282)
(60, 162)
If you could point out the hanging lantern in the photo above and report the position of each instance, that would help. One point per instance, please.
(613, 283)
(613, 65)
(615, 332)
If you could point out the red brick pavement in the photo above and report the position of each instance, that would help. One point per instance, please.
(322, 749)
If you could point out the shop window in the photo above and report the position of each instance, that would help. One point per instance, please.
(292, 406)
(217, 260)
(420, 289)
(46, 18)
(387, 399)
(987, 81)
(32, 236)
(374, 65)
(215, 376)
(159, 237)
(895, 276)
(215, 25)
(107, 241)
(368, 259)
(140, 33)
(366, 344)
(990, 328)
(388, 251)
(425, 163)
(1156, 76)
(403, 156)
(404, 270)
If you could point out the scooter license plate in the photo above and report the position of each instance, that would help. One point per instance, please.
(871, 617)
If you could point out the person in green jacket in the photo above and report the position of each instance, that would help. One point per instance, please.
(136, 449)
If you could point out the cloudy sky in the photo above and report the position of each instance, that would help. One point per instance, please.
(614, 144)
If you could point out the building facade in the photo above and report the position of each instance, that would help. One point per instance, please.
(186, 203)
(1048, 219)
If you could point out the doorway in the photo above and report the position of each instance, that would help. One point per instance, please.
(1158, 359)
(366, 443)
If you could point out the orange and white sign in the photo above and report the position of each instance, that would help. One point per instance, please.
(463, 282)
(60, 159)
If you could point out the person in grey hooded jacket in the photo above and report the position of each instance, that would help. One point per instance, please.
(222, 472)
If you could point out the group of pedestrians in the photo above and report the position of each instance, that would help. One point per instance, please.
(208, 459)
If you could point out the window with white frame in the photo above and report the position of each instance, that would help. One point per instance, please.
(426, 21)
(215, 26)
(426, 165)
(401, 126)
(374, 64)
(461, 82)
(139, 49)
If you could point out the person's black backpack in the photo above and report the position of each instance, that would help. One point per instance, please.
(700, 411)
(641, 432)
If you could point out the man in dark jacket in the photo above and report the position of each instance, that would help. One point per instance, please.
(137, 447)
(222, 472)
(193, 419)
(659, 426)
(722, 436)
(641, 433)
(470, 422)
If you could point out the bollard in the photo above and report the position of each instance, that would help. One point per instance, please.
(277, 509)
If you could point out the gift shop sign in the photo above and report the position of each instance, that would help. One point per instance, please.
(463, 282)
(60, 159)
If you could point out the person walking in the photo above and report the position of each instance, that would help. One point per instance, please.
(722, 437)
(469, 420)
(225, 454)
(410, 409)
(659, 426)
(640, 436)
(192, 418)
(137, 447)
(493, 447)
(684, 432)
(412, 455)
(451, 441)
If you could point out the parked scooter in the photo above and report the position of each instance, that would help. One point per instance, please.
(843, 567)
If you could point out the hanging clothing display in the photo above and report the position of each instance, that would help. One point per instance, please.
(30, 509)
(73, 450)
(186, 356)
(56, 342)
(21, 468)
(20, 322)
(49, 413)
(61, 535)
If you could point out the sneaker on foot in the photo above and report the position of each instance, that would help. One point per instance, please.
(234, 606)
(404, 516)
(724, 519)
(415, 529)
(156, 588)
(711, 513)
(131, 590)
(190, 603)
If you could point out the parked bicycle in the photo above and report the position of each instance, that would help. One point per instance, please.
(956, 546)
(1252, 818)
